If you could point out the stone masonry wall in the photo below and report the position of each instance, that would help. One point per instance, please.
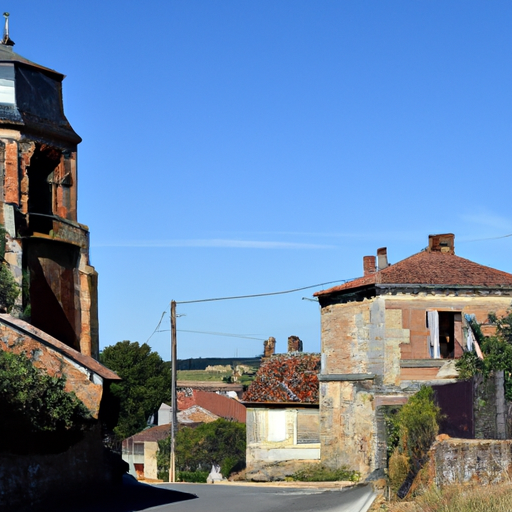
(371, 337)
(459, 461)
(29, 480)
(348, 427)
(357, 338)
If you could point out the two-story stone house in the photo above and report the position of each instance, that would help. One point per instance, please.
(388, 332)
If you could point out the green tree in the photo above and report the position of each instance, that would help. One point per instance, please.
(145, 384)
(220, 442)
(497, 350)
(33, 402)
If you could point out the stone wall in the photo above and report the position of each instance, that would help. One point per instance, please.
(27, 481)
(459, 461)
(369, 348)
(272, 448)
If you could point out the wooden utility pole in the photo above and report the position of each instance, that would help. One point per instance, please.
(174, 405)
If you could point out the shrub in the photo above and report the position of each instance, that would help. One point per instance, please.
(220, 442)
(398, 469)
(198, 477)
(419, 424)
(34, 403)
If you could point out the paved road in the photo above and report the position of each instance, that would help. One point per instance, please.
(260, 498)
(133, 496)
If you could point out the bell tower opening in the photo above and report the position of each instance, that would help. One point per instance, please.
(43, 163)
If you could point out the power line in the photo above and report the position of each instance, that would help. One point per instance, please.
(218, 334)
(262, 294)
(156, 328)
(484, 239)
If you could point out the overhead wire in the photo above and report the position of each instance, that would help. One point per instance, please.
(484, 239)
(241, 297)
(242, 336)
(262, 294)
(156, 328)
(269, 294)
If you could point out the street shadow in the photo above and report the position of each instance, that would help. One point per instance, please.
(130, 496)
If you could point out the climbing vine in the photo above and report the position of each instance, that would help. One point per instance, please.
(497, 350)
(9, 289)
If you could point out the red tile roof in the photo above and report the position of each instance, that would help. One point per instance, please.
(220, 405)
(152, 434)
(431, 268)
(68, 352)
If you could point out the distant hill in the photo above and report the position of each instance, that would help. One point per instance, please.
(201, 363)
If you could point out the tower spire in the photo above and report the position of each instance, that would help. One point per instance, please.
(6, 39)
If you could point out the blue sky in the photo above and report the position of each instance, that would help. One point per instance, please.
(243, 147)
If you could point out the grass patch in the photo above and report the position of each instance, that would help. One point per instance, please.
(459, 498)
(319, 473)
(202, 375)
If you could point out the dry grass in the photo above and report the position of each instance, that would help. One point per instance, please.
(458, 498)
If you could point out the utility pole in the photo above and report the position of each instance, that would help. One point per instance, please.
(174, 405)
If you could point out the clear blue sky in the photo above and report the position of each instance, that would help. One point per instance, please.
(242, 147)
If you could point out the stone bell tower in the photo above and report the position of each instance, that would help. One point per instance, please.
(47, 249)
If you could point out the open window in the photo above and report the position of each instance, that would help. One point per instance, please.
(444, 341)
(43, 163)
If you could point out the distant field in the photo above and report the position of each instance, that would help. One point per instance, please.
(202, 375)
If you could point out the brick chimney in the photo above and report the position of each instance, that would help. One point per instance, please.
(269, 347)
(294, 344)
(369, 265)
(442, 243)
(382, 258)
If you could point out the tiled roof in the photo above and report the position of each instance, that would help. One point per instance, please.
(152, 434)
(286, 378)
(195, 415)
(220, 405)
(431, 268)
(39, 335)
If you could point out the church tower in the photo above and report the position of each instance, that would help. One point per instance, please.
(47, 249)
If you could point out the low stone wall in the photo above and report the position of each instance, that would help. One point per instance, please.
(459, 461)
(275, 471)
(29, 481)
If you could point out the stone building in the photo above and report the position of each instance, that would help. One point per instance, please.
(47, 248)
(54, 321)
(282, 416)
(388, 332)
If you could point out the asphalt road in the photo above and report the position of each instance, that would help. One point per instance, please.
(180, 497)
(260, 498)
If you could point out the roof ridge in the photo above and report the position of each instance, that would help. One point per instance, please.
(430, 268)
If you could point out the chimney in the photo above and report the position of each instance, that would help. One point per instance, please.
(294, 344)
(382, 258)
(369, 265)
(442, 243)
(269, 347)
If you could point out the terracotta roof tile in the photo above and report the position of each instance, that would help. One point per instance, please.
(286, 378)
(431, 268)
(220, 405)
(81, 359)
(152, 434)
